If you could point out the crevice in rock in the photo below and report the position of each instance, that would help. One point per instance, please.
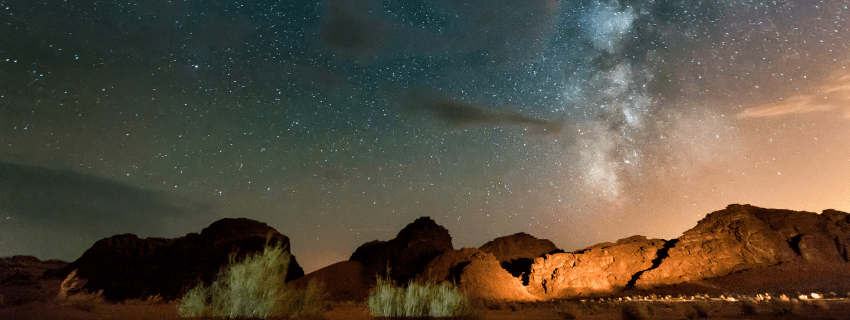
(842, 249)
(456, 271)
(660, 255)
(519, 268)
(794, 242)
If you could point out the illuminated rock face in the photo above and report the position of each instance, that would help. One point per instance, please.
(517, 252)
(449, 265)
(484, 278)
(602, 268)
(743, 237)
(477, 273)
(819, 238)
(723, 242)
(737, 238)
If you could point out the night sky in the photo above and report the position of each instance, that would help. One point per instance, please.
(339, 122)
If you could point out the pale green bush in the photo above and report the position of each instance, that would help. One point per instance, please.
(253, 288)
(418, 300)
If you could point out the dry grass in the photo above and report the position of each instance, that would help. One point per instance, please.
(253, 288)
(418, 300)
(150, 300)
(635, 311)
(84, 301)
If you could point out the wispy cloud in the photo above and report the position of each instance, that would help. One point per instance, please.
(462, 114)
(835, 94)
(57, 214)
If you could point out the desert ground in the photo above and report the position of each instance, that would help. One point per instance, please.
(703, 300)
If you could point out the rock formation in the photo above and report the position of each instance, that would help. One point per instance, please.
(601, 268)
(484, 278)
(125, 266)
(478, 273)
(821, 238)
(740, 237)
(737, 238)
(25, 269)
(449, 265)
(407, 254)
(518, 246)
(516, 252)
(341, 281)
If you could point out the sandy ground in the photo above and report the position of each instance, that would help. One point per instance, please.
(824, 309)
(35, 301)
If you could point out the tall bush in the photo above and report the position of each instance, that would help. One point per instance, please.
(253, 288)
(418, 300)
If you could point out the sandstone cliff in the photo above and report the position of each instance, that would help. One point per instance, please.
(740, 237)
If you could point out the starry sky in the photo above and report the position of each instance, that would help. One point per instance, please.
(338, 122)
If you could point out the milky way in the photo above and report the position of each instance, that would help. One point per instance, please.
(339, 122)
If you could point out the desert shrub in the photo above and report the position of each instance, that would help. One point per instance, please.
(253, 288)
(71, 285)
(150, 300)
(418, 300)
(514, 306)
(84, 301)
(567, 311)
(749, 307)
(635, 311)
(493, 304)
(779, 307)
(820, 304)
(699, 309)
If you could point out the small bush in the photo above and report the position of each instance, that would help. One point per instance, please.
(84, 301)
(779, 307)
(418, 300)
(253, 288)
(150, 300)
(567, 311)
(749, 307)
(635, 311)
(699, 309)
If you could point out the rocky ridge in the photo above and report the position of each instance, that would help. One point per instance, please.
(728, 242)
(407, 254)
(737, 238)
(601, 268)
(25, 270)
(126, 266)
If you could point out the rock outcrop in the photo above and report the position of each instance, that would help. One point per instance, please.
(407, 254)
(484, 278)
(517, 252)
(602, 268)
(740, 237)
(818, 238)
(449, 265)
(734, 239)
(518, 246)
(25, 270)
(341, 281)
(477, 273)
(125, 266)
